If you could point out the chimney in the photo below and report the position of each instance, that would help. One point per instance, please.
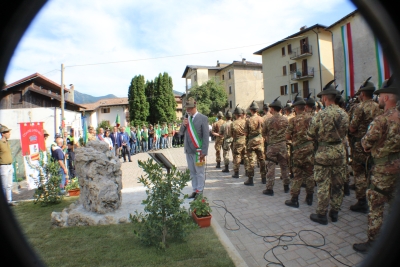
(303, 28)
(243, 60)
(71, 94)
(217, 63)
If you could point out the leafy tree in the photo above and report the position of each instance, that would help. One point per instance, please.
(164, 106)
(211, 97)
(103, 124)
(138, 105)
(164, 217)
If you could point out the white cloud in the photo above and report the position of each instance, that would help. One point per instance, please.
(82, 32)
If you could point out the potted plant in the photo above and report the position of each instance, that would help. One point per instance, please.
(201, 211)
(73, 187)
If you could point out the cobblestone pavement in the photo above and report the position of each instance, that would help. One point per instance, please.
(266, 216)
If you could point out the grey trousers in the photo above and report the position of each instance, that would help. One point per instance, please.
(196, 173)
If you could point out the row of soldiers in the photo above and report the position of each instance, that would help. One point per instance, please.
(319, 144)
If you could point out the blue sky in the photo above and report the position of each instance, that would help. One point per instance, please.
(79, 32)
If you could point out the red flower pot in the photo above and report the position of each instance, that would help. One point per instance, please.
(202, 221)
(74, 192)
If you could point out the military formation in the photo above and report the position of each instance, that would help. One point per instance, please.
(315, 143)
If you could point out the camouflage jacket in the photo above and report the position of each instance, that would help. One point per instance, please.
(226, 132)
(237, 131)
(297, 128)
(274, 129)
(267, 116)
(362, 116)
(383, 135)
(253, 126)
(291, 116)
(216, 127)
(329, 127)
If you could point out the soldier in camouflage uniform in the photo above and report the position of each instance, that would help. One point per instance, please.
(341, 103)
(310, 105)
(303, 154)
(239, 141)
(274, 134)
(353, 105)
(328, 127)
(362, 116)
(255, 143)
(383, 141)
(267, 114)
(218, 139)
(226, 132)
(288, 111)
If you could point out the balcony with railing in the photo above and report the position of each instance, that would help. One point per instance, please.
(301, 52)
(302, 74)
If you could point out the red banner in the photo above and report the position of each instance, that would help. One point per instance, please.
(32, 139)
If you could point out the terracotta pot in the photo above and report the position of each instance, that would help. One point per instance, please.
(202, 221)
(74, 192)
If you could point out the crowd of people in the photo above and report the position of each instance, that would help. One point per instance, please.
(314, 143)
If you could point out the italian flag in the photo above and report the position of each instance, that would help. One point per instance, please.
(382, 64)
(348, 60)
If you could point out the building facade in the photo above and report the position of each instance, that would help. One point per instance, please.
(107, 110)
(301, 63)
(242, 80)
(357, 54)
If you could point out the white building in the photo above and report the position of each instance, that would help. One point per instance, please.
(107, 110)
(357, 54)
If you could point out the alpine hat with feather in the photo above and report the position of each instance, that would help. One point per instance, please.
(276, 103)
(389, 86)
(298, 101)
(329, 89)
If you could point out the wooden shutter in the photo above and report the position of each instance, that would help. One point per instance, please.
(17, 97)
(283, 51)
(282, 90)
(284, 70)
(306, 90)
(296, 88)
(289, 49)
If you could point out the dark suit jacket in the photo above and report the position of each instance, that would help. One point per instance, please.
(201, 126)
(115, 140)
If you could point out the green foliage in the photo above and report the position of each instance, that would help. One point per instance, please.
(104, 124)
(48, 184)
(73, 184)
(211, 120)
(163, 215)
(201, 206)
(138, 105)
(163, 104)
(211, 97)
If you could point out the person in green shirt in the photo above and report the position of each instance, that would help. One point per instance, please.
(157, 134)
(139, 139)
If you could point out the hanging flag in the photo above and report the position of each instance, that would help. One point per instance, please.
(348, 60)
(382, 64)
(85, 131)
(117, 120)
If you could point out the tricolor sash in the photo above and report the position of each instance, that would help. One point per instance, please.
(197, 142)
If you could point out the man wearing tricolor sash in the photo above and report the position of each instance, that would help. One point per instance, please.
(196, 133)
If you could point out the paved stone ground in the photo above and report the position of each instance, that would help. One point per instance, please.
(264, 215)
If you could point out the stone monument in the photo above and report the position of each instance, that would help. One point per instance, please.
(100, 180)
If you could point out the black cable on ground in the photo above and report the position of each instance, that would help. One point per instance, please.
(285, 237)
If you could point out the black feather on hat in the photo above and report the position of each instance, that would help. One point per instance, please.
(308, 97)
(294, 99)
(328, 85)
(276, 103)
(389, 86)
(329, 89)
(366, 81)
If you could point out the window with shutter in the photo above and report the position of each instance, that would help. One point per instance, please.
(284, 71)
(283, 51)
(293, 67)
(306, 90)
(230, 104)
(294, 88)
(282, 90)
(230, 89)
(289, 49)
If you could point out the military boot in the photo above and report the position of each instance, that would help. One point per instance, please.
(363, 247)
(309, 199)
(226, 168)
(235, 175)
(218, 165)
(352, 187)
(286, 188)
(360, 206)
(303, 185)
(294, 202)
(268, 192)
(334, 215)
(246, 173)
(322, 219)
(346, 189)
(264, 180)
(249, 181)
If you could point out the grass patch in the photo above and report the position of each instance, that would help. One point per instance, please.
(111, 245)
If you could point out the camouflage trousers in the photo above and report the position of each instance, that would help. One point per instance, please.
(330, 187)
(376, 201)
(218, 145)
(277, 154)
(239, 153)
(358, 166)
(226, 148)
(303, 170)
(259, 153)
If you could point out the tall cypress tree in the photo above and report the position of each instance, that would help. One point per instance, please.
(138, 105)
(164, 104)
(151, 98)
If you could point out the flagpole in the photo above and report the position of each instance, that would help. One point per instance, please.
(62, 101)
